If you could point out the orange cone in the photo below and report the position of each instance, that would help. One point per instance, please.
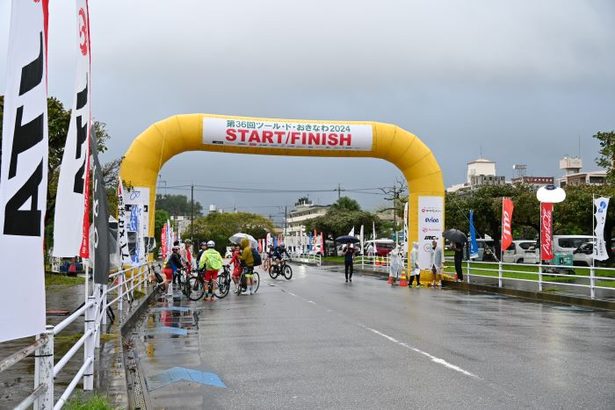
(403, 280)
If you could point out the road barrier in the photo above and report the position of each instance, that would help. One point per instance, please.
(314, 259)
(96, 308)
(579, 277)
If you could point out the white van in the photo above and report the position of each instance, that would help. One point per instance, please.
(569, 244)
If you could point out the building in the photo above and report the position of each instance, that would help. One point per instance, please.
(573, 176)
(480, 172)
(535, 182)
(295, 235)
(303, 211)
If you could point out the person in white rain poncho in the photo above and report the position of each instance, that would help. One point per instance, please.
(396, 264)
(415, 271)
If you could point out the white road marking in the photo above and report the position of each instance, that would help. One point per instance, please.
(414, 349)
(430, 356)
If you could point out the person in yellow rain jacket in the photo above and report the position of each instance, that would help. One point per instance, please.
(247, 261)
(211, 262)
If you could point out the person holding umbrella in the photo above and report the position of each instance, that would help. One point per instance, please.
(348, 261)
(349, 253)
(458, 239)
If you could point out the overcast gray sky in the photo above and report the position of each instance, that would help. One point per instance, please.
(522, 81)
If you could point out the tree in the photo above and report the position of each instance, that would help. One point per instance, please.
(341, 217)
(178, 205)
(218, 227)
(606, 159)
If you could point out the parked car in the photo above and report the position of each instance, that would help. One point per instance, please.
(382, 247)
(569, 244)
(521, 251)
(583, 255)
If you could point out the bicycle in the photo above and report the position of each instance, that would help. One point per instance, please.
(242, 286)
(195, 287)
(281, 268)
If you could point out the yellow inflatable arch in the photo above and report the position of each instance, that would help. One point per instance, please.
(244, 135)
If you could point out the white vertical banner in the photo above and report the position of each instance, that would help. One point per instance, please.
(362, 240)
(136, 203)
(23, 172)
(122, 231)
(405, 246)
(431, 224)
(601, 206)
(70, 198)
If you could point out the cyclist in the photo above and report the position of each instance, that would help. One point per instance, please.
(236, 265)
(278, 254)
(173, 265)
(202, 247)
(211, 262)
(186, 254)
(247, 261)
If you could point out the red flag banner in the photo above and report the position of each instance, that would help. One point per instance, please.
(507, 214)
(163, 242)
(546, 229)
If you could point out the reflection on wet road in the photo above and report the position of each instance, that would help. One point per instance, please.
(317, 342)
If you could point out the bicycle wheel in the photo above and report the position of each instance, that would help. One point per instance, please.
(256, 281)
(197, 288)
(224, 284)
(288, 272)
(273, 272)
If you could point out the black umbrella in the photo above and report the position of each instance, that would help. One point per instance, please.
(347, 239)
(455, 235)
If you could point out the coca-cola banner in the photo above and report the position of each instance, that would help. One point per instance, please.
(507, 213)
(546, 231)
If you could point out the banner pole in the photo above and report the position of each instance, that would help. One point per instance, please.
(592, 291)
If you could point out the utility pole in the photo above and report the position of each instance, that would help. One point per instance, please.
(192, 212)
(339, 191)
(285, 218)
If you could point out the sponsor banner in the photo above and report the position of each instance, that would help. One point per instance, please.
(136, 205)
(23, 173)
(406, 246)
(473, 243)
(122, 226)
(68, 236)
(546, 231)
(507, 214)
(601, 206)
(102, 246)
(431, 225)
(287, 134)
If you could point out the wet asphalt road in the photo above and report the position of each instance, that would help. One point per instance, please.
(317, 342)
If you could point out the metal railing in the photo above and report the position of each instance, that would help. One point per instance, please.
(314, 259)
(124, 284)
(541, 274)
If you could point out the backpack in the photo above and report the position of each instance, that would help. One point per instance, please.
(257, 257)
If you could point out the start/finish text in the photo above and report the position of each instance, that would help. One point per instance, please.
(281, 134)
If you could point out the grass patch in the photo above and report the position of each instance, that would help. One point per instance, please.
(333, 259)
(81, 401)
(56, 279)
(62, 343)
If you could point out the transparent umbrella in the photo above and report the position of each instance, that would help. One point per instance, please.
(236, 238)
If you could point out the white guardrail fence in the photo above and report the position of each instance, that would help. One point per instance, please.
(46, 368)
(579, 277)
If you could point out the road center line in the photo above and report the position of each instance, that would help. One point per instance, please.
(430, 356)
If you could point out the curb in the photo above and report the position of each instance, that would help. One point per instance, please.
(536, 296)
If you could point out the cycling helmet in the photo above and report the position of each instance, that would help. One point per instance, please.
(211, 244)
